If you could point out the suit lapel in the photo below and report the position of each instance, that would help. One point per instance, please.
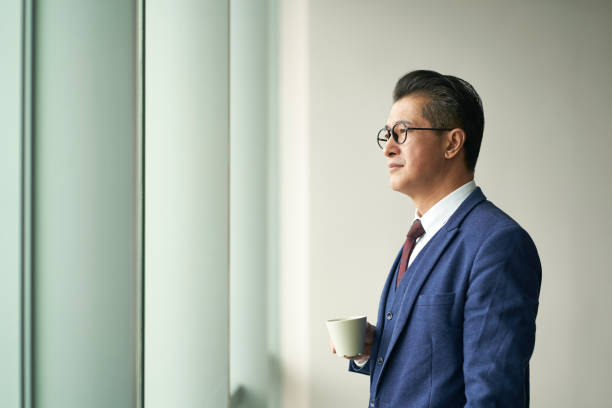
(432, 252)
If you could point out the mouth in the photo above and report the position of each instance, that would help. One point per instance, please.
(393, 167)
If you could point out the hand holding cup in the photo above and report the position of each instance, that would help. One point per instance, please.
(351, 337)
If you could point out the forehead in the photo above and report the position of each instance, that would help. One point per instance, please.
(409, 109)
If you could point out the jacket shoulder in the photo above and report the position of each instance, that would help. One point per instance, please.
(486, 218)
(486, 221)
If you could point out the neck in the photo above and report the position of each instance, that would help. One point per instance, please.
(427, 199)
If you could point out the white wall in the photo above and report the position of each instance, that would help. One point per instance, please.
(542, 69)
(294, 214)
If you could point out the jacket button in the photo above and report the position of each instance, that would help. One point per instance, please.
(389, 316)
(379, 360)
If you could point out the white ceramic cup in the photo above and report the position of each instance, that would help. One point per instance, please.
(348, 334)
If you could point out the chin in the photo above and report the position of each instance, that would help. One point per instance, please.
(401, 186)
(397, 187)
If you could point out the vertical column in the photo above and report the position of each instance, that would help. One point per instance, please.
(85, 204)
(10, 202)
(186, 203)
(273, 205)
(249, 103)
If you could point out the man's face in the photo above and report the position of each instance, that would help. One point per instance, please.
(417, 164)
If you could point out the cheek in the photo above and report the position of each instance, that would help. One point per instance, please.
(413, 158)
(422, 156)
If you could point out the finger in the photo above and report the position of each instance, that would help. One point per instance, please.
(358, 357)
(331, 346)
(369, 336)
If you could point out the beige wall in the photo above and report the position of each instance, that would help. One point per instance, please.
(543, 71)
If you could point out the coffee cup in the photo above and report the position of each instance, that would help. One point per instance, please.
(348, 334)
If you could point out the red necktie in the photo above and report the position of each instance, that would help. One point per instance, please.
(415, 232)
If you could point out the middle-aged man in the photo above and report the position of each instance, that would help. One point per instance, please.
(456, 321)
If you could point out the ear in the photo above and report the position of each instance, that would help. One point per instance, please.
(454, 142)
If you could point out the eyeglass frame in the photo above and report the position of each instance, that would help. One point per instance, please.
(396, 137)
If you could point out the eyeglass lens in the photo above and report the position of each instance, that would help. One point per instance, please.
(399, 132)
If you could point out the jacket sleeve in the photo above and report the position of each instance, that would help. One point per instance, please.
(361, 370)
(499, 320)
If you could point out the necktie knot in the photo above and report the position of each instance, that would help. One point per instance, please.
(416, 230)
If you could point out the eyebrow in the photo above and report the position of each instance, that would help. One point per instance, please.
(404, 122)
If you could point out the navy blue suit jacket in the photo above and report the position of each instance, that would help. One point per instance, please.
(465, 327)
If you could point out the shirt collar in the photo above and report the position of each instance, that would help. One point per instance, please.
(437, 215)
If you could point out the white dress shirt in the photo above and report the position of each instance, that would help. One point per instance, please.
(434, 219)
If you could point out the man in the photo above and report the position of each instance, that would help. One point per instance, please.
(456, 321)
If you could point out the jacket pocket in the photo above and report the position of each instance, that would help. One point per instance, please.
(436, 312)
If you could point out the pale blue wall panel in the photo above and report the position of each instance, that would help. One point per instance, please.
(249, 101)
(10, 202)
(186, 203)
(85, 204)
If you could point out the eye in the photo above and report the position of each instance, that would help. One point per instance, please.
(400, 130)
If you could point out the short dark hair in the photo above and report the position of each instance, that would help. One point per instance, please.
(454, 103)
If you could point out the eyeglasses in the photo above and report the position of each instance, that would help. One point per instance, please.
(400, 133)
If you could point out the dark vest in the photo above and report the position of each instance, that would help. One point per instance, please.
(392, 306)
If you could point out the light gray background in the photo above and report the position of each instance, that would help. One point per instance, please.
(543, 71)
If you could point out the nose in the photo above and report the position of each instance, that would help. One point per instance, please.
(391, 148)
